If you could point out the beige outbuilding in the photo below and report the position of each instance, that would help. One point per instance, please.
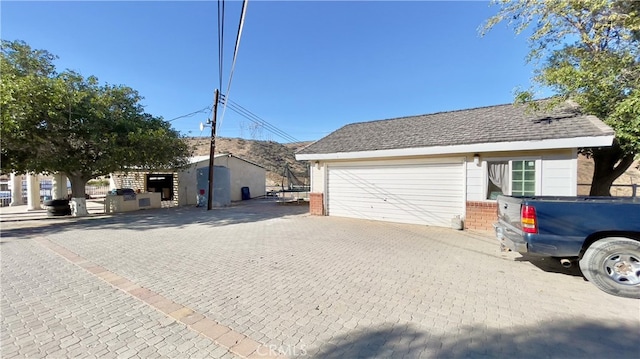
(185, 187)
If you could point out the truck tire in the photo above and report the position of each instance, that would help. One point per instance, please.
(613, 265)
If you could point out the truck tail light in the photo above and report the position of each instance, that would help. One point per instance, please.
(529, 219)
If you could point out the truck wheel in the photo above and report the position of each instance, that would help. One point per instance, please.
(613, 265)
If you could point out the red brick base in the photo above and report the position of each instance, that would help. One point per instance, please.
(481, 215)
(316, 204)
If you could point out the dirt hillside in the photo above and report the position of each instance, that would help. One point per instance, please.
(271, 155)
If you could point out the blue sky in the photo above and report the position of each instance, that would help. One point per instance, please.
(307, 68)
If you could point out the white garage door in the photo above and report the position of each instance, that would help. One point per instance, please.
(428, 193)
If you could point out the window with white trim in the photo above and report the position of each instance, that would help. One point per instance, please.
(523, 178)
(517, 177)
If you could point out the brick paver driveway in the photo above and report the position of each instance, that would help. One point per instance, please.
(259, 279)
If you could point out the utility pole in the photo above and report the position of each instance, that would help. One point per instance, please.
(212, 150)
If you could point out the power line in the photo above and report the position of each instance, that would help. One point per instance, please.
(220, 40)
(191, 114)
(237, 108)
(235, 55)
(258, 120)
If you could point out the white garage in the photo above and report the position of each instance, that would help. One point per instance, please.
(430, 169)
(421, 193)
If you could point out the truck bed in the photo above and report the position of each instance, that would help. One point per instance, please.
(563, 223)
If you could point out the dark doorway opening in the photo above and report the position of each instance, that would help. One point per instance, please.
(162, 183)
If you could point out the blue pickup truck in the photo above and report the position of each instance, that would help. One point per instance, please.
(602, 234)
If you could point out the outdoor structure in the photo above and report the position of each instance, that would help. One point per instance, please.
(131, 202)
(31, 189)
(184, 188)
(446, 169)
(242, 173)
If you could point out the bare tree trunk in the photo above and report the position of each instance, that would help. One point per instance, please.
(609, 164)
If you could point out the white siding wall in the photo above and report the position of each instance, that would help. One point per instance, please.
(559, 174)
(556, 172)
(475, 180)
(317, 177)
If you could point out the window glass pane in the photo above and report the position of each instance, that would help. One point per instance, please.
(517, 175)
(531, 165)
(517, 187)
(517, 165)
(528, 175)
(530, 188)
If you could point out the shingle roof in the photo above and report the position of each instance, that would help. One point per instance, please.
(502, 123)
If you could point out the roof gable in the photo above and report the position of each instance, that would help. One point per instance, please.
(502, 123)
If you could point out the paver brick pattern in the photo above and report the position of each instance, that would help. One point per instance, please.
(303, 286)
(52, 308)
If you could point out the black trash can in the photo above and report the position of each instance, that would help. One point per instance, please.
(245, 193)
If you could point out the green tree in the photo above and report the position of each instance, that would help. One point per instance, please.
(587, 51)
(66, 123)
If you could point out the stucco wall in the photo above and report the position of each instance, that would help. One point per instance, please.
(243, 174)
(187, 184)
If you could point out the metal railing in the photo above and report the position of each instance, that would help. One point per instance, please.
(96, 191)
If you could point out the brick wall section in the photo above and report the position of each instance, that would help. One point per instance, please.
(481, 215)
(316, 204)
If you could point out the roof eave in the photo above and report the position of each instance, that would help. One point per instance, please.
(548, 144)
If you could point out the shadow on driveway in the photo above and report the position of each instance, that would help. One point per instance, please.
(574, 338)
(552, 265)
(175, 217)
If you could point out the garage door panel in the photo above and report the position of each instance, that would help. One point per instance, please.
(393, 206)
(424, 193)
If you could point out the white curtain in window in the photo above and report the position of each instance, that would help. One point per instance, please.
(499, 175)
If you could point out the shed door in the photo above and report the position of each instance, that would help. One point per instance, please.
(427, 193)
